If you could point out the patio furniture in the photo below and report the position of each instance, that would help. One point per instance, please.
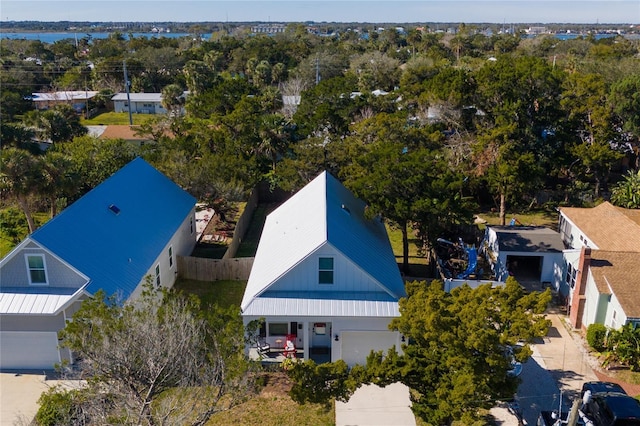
(289, 350)
(262, 347)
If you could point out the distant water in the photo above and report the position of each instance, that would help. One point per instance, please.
(47, 37)
(53, 37)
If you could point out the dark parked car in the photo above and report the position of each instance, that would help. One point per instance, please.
(600, 387)
(612, 409)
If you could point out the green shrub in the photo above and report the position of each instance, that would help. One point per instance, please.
(56, 407)
(596, 334)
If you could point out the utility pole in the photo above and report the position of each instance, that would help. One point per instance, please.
(317, 70)
(127, 83)
(86, 98)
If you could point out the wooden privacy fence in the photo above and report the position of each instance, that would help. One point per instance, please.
(203, 269)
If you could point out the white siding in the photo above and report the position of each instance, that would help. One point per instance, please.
(620, 317)
(347, 275)
(592, 301)
(572, 257)
(182, 243)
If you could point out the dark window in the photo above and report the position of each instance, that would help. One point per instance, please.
(325, 270)
(571, 275)
(278, 329)
(37, 273)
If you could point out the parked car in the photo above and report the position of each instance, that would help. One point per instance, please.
(612, 409)
(600, 387)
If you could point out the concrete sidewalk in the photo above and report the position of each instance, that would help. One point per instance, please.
(372, 405)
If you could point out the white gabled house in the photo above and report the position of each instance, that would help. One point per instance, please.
(325, 275)
(131, 226)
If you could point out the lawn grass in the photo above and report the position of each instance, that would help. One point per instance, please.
(249, 243)
(223, 293)
(395, 238)
(116, 118)
(540, 217)
(274, 410)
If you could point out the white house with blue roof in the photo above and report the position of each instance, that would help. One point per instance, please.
(325, 275)
(131, 226)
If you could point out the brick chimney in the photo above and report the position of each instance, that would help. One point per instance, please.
(578, 297)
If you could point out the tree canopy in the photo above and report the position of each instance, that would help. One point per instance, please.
(458, 353)
(159, 360)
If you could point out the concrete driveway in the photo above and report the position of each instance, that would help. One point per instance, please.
(553, 377)
(372, 405)
(19, 393)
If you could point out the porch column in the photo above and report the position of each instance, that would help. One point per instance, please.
(305, 340)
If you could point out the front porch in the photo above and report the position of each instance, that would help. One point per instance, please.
(276, 355)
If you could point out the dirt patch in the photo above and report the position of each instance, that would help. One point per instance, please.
(277, 384)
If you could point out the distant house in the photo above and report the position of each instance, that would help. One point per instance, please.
(268, 28)
(529, 253)
(130, 227)
(602, 264)
(118, 131)
(325, 275)
(77, 99)
(141, 103)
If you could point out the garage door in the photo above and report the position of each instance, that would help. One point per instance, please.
(27, 350)
(356, 345)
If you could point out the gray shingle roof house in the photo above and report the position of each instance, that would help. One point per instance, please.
(325, 275)
(602, 264)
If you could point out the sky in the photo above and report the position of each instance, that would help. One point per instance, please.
(491, 11)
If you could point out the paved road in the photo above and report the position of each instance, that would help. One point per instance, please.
(559, 363)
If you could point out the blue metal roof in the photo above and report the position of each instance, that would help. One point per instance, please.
(114, 233)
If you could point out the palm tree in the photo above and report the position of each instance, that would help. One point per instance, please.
(457, 44)
(20, 177)
(627, 192)
(57, 179)
(172, 99)
(273, 138)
